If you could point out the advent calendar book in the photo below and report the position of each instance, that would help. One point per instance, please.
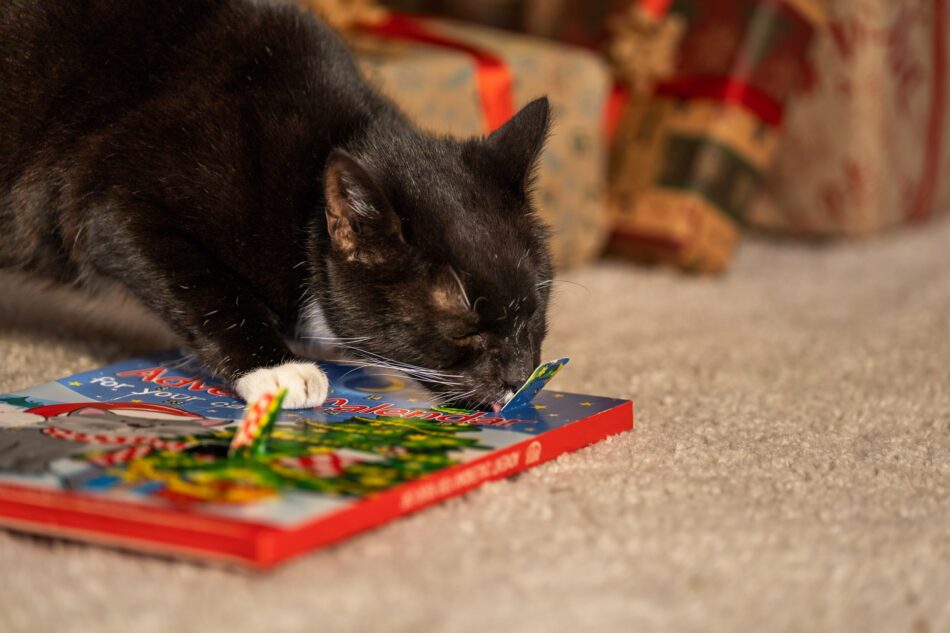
(140, 455)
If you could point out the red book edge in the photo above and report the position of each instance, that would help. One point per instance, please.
(170, 531)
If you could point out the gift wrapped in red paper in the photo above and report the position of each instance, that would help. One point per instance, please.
(868, 144)
(690, 152)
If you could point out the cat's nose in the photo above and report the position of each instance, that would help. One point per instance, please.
(512, 385)
(516, 375)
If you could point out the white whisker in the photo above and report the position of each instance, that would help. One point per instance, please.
(441, 399)
(523, 257)
(458, 280)
(551, 282)
(433, 379)
(400, 366)
(336, 339)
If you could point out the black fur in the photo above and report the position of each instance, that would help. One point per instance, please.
(196, 152)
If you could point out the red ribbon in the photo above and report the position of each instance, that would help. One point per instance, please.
(492, 75)
(724, 90)
(727, 90)
(656, 8)
(614, 109)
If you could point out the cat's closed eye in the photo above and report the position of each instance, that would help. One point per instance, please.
(467, 337)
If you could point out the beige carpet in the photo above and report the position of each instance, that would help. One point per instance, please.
(790, 471)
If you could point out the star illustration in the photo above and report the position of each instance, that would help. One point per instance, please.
(587, 404)
(75, 383)
(135, 401)
(540, 406)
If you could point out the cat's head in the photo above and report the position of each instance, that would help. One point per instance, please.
(435, 261)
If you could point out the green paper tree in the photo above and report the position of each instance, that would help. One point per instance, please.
(406, 449)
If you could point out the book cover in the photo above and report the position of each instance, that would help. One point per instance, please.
(138, 455)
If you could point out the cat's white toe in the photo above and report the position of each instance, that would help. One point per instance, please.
(306, 384)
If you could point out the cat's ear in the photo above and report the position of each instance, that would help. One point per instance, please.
(516, 145)
(360, 220)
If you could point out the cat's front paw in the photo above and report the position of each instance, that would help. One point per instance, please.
(306, 384)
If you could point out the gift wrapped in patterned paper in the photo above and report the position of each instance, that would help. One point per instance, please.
(434, 69)
(570, 21)
(690, 152)
(501, 14)
(868, 144)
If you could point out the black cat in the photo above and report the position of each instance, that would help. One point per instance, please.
(226, 163)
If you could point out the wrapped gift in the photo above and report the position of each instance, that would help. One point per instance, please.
(569, 21)
(868, 144)
(689, 155)
(503, 14)
(463, 80)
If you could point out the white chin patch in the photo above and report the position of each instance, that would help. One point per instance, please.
(313, 323)
(306, 384)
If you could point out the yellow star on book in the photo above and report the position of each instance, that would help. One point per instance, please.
(540, 406)
(136, 401)
(75, 383)
(587, 404)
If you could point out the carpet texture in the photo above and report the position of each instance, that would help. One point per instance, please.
(790, 471)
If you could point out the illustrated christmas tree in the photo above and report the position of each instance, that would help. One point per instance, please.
(411, 447)
(399, 450)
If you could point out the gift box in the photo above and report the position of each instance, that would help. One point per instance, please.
(868, 141)
(690, 153)
(503, 14)
(569, 21)
(463, 80)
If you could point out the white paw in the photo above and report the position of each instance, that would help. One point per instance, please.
(306, 384)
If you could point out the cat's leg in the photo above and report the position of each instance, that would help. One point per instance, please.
(215, 311)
